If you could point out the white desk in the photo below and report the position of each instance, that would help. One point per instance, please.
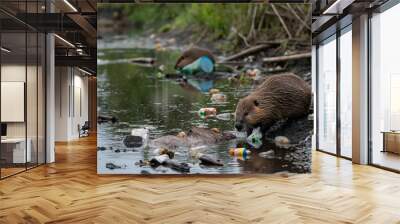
(18, 150)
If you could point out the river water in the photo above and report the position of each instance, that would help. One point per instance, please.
(140, 98)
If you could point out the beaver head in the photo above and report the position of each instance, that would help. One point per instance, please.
(192, 55)
(248, 114)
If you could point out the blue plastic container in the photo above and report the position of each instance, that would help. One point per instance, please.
(202, 65)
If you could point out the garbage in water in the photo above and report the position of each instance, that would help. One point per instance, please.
(218, 97)
(164, 151)
(158, 160)
(239, 152)
(255, 138)
(139, 138)
(282, 141)
(112, 166)
(253, 72)
(181, 134)
(207, 112)
(213, 91)
(166, 160)
(270, 154)
(208, 160)
(202, 65)
(194, 151)
(175, 165)
(224, 116)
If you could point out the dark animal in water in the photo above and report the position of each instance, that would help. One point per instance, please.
(279, 97)
(192, 55)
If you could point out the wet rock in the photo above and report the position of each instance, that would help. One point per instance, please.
(101, 148)
(175, 165)
(112, 166)
(208, 160)
(158, 160)
(282, 141)
(133, 141)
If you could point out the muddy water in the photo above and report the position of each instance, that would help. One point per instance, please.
(139, 97)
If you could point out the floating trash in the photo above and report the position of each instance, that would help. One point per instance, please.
(207, 112)
(224, 116)
(270, 154)
(255, 138)
(218, 97)
(239, 152)
(158, 160)
(213, 91)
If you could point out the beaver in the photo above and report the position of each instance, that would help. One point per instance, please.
(282, 96)
(192, 55)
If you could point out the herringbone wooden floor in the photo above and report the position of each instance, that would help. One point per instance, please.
(70, 191)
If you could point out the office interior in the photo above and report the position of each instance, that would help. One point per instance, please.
(357, 81)
(48, 79)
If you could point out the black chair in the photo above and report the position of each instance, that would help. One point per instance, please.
(84, 130)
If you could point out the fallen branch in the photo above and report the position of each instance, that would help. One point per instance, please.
(288, 57)
(247, 51)
(297, 16)
(142, 60)
(282, 21)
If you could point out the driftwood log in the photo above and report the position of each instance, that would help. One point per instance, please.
(287, 57)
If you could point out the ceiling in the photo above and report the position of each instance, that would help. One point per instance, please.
(73, 21)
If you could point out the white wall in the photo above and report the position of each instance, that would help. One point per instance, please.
(71, 94)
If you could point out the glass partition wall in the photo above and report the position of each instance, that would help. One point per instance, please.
(334, 94)
(327, 95)
(385, 89)
(22, 77)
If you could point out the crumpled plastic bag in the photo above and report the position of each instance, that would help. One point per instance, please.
(255, 138)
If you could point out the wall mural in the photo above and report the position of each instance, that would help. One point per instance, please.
(204, 88)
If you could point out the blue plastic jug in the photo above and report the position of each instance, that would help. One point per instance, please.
(202, 65)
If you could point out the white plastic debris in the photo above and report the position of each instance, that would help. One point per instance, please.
(143, 133)
(255, 138)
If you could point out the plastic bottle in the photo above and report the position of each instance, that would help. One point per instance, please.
(240, 152)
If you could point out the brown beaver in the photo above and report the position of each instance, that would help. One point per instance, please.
(282, 96)
(191, 55)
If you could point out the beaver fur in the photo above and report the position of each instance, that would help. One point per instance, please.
(282, 96)
(192, 55)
